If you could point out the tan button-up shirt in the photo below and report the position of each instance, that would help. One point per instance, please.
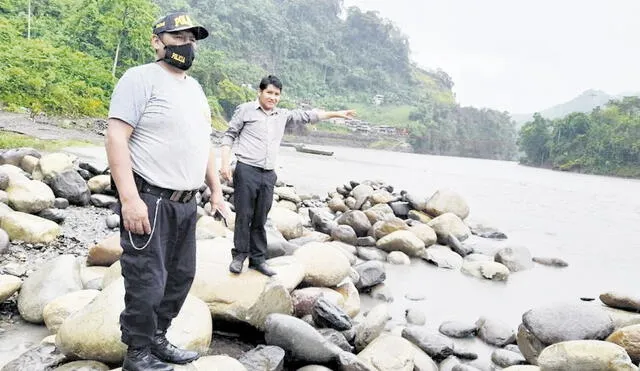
(258, 134)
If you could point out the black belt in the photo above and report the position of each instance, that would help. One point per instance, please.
(169, 194)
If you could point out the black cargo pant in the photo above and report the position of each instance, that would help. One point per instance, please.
(252, 199)
(158, 277)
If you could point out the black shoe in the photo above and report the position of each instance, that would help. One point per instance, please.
(165, 351)
(143, 360)
(263, 268)
(236, 265)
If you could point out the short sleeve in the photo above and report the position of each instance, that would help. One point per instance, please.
(129, 97)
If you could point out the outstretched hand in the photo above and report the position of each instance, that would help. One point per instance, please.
(346, 114)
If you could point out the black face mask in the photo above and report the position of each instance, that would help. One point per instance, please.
(180, 56)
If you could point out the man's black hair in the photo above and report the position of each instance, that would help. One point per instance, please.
(270, 80)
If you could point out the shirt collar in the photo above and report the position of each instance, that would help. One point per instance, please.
(257, 106)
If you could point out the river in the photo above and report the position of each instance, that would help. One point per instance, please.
(592, 222)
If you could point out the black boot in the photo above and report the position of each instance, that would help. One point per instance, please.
(140, 359)
(263, 268)
(236, 265)
(165, 351)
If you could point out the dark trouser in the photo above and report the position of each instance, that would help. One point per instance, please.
(252, 198)
(157, 278)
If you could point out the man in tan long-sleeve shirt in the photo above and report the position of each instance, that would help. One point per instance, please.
(258, 128)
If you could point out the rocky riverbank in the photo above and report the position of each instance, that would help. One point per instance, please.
(60, 270)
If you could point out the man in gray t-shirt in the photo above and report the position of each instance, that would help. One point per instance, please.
(159, 152)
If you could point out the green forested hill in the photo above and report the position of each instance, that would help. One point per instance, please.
(67, 58)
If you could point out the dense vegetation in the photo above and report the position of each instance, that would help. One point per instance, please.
(65, 57)
(605, 141)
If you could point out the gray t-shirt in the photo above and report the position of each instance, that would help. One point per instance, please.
(171, 121)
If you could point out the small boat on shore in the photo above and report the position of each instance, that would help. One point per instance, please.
(302, 148)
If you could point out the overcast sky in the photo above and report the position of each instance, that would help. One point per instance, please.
(522, 55)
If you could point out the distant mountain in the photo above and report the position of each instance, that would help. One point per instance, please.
(584, 102)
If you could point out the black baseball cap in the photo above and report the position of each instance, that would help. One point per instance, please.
(177, 22)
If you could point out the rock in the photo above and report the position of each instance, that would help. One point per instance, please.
(8, 286)
(351, 297)
(371, 273)
(83, 366)
(529, 345)
(382, 196)
(29, 163)
(382, 292)
(384, 227)
(277, 245)
(248, 297)
(435, 345)
(425, 233)
(324, 264)
(389, 352)
(113, 221)
(30, 196)
(99, 183)
(207, 227)
(350, 202)
(322, 220)
(486, 269)
(515, 258)
(366, 241)
(300, 340)
(487, 232)
(106, 252)
(345, 234)
(4, 241)
(568, 321)
(287, 193)
(346, 249)
(522, 368)
(329, 315)
(314, 368)
(336, 204)
(400, 208)
(286, 204)
(53, 280)
(214, 363)
(398, 258)
(506, 358)
(476, 257)
(264, 358)
(628, 338)
(404, 241)
(14, 269)
(578, 355)
(419, 216)
(40, 357)
(51, 165)
(94, 331)
(372, 326)
(495, 332)
(464, 367)
(14, 156)
(361, 193)
(415, 317)
(29, 228)
(287, 222)
(4, 180)
(449, 223)
(621, 318)
(357, 220)
(458, 247)
(447, 201)
(92, 277)
(379, 212)
(554, 262)
(4, 198)
(464, 353)
(60, 203)
(449, 363)
(305, 299)
(337, 338)
(612, 299)
(59, 309)
(5, 209)
(372, 253)
(443, 257)
(70, 185)
(105, 201)
(84, 174)
(456, 329)
(414, 296)
(55, 215)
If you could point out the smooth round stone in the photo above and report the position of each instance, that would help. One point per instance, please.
(113, 221)
(60, 203)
